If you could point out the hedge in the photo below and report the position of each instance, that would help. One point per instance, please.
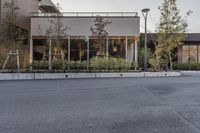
(95, 63)
(110, 63)
(186, 66)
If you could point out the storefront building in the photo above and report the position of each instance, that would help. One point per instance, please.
(190, 50)
(79, 44)
(187, 52)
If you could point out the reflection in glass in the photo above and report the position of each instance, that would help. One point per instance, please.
(117, 47)
(97, 47)
(78, 49)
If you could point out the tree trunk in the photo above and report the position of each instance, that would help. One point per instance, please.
(170, 60)
(50, 60)
(80, 54)
(157, 59)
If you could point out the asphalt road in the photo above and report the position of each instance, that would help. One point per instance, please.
(129, 105)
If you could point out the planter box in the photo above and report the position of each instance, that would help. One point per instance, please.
(40, 76)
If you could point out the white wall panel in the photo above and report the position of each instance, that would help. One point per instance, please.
(80, 26)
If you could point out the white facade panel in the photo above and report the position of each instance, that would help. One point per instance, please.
(80, 26)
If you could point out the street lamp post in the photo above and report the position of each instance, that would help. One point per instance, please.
(145, 13)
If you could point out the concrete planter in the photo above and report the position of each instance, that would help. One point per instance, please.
(190, 73)
(39, 76)
(16, 76)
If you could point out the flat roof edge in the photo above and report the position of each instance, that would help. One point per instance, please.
(86, 17)
(86, 14)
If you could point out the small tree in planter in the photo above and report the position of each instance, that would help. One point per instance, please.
(12, 37)
(171, 32)
(99, 34)
(56, 35)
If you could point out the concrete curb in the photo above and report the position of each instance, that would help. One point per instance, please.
(190, 73)
(40, 76)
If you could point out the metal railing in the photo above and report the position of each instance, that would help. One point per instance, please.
(86, 14)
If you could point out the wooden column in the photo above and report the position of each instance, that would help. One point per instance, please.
(18, 64)
(31, 51)
(126, 48)
(136, 52)
(68, 49)
(197, 53)
(189, 53)
(107, 52)
(69, 41)
(88, 52)
(50, 54)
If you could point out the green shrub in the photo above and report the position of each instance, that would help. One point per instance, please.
(94, 63)
(102, 64)
(77, 65)
(110, 63)
(195, 66)
(2, 59)
(186, 66)
(58, 65)
(40, 65)
(113, 64)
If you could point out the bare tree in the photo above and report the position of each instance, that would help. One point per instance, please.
(99, 33)
(56, 36)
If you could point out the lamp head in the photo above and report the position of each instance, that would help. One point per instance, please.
(146, 10)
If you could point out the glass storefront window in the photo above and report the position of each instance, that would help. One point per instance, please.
(117, 47)
(97, 47)
(193, 53)
(41, 50)
(78, 49)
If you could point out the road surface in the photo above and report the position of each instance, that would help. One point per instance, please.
(127, 105)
